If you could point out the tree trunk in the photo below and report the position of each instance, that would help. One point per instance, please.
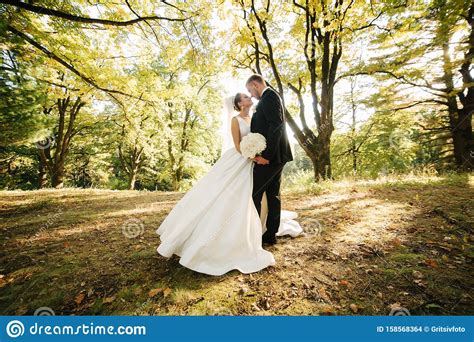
(463, 140)
(354, 159)
(57, 178)
(460, 119)
(42, 172)
(132, 178)
(177, 177)
(323, 168)
(464, 143)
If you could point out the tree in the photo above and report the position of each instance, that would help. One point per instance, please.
(137, 145)
(24, 21)
(21, 104)
(356, 136)
(308, 58)
(53, 156)
(421, 54)
(77, 55)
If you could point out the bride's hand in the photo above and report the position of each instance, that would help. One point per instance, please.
(260, 160)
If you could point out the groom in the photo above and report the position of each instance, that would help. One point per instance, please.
(269, 121)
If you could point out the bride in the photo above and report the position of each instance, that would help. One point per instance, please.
(215, 227)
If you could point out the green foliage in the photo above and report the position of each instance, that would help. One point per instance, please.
(153, 94)
(21, 109)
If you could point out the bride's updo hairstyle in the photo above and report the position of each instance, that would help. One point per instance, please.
(237, 99)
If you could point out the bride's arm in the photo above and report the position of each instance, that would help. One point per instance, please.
(235, 133)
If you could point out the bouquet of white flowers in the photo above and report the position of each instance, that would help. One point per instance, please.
(252, 144)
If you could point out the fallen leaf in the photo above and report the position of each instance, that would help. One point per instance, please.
(154, 292)
(395, 305)
(109, 299)
(396, 242)
(354, 308)
(255, 307)
(167, 292)
(323, 294)
(419, 282)
(344, 282)
(327, 310)
(431, 263)
(79, 298)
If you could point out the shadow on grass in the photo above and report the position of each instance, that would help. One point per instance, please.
(404, 241)
(51, 260)
(407, 242)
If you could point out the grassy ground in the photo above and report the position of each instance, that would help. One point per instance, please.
(369, 247)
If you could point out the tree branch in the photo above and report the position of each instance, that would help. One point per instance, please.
(81, 19)
(68, 66)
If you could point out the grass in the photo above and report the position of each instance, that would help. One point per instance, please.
(396, 241)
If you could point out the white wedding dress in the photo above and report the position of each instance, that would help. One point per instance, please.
(215, 227)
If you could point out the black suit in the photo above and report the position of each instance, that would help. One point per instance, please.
(269, 120)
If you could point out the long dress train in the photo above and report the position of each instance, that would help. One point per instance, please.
(215, 227)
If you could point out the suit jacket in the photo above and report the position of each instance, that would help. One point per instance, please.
(269, 120)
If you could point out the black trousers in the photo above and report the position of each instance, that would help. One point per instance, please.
(267, 178)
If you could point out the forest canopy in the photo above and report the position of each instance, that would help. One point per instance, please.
(129, 94)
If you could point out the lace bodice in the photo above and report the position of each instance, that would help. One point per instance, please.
(243, 126)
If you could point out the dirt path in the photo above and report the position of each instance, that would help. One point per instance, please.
(369, 247)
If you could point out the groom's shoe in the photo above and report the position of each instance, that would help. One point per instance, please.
(269, 240)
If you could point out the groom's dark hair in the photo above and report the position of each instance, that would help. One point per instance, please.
(256, 77)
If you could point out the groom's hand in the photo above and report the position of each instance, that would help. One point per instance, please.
(261, 160)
